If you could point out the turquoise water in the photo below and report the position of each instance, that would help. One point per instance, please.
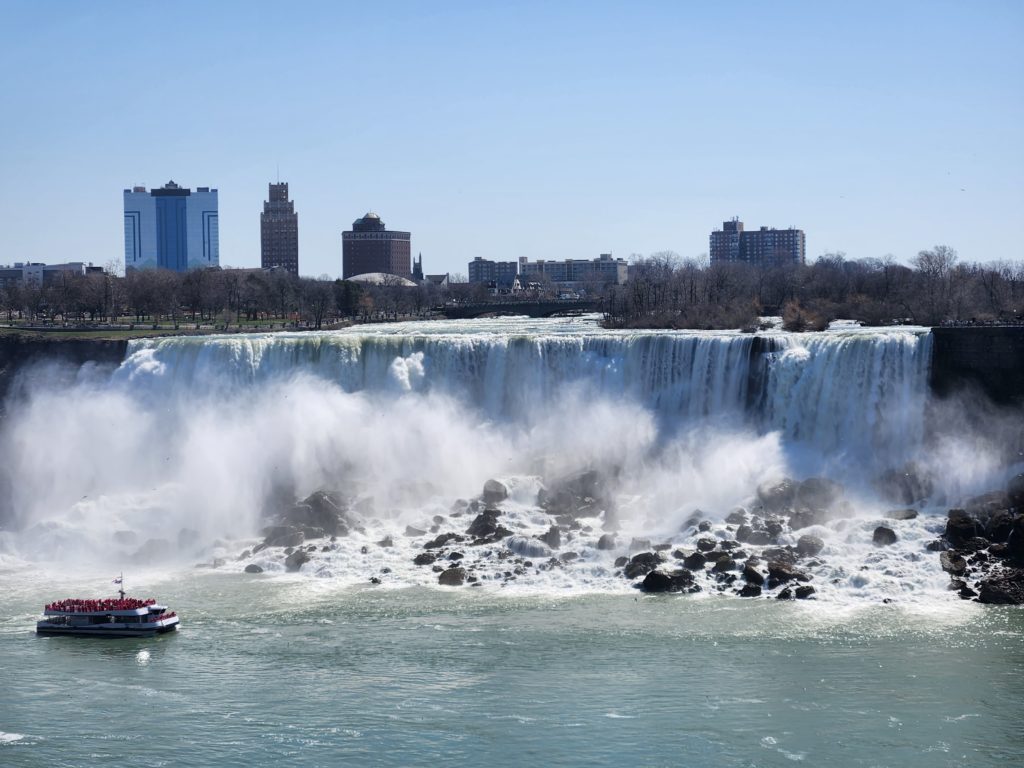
(288, 670)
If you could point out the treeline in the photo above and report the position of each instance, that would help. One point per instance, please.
(665, 291)
(218, 296)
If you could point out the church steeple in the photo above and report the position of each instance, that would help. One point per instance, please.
(417, 268)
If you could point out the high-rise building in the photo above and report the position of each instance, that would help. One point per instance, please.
(370, 247)
(762, 246)
(171, 227)
(279, 231)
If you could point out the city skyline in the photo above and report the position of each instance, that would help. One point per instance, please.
(874, 129)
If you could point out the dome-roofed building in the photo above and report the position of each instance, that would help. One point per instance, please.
(382, 278)
(369, 248)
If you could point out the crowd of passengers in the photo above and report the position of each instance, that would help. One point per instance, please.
(92, 606)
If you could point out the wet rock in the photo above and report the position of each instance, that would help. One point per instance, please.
(804, 518)
(695, 561)
(776, 496)
(412, 532)
(424, 558)
(953, 563)
(753, 576)
(706, 544)
(704, 526)
(455, 555)
(659, 581)
(780, 572)
(621, 561)
(296, 559)
(253, 568)
(607, 541)
(744, 532)
(582, 495)
(883, 537)
(567, 557)
(804, 592)
(809, 546)
(452, 577)
(785, 594)
(737, 517)
(937, 545)
(781, 554)
(485, 524)
(443, 539)
(1015, 541)
(665, 546)
(387, 541)
(321, 509)
(1015, 493)
(527, 547)
(641, 564)
(999, 526)
(639, 545)
(553, 538)
(905, 486)
(494, 492)
(724, 564)
(1004, 588)
(817, 493)
(900, 514)
(750, 590)
(960, 526)
(283, 536)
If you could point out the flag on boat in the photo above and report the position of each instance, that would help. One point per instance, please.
(117, 580)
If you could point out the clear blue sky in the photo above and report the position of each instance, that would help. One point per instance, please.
(547, 130)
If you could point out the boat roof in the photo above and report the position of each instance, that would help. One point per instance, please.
(123, 612)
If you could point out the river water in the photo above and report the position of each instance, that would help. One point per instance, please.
(171, 460)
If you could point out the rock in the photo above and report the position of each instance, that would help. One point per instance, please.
(785, 594)
(527, 547)
(737, 517)
(780, 572)
(782, 554)
(1015, 493)
(553, 538)
(817, 493)
(704, 526)
(1015, 541)
(484, 524)
(804, 592)
(761, 538)
(414, 532)
(641, 564)
(744, 532)
(1004, 588)
(245, 555)
(566, 557)
(695, 562)
(804, 518)
(953, 563)
(453, 577)
(960, 526)
(424, 558)
(937, 545)
(904, 486)
(494, 492)
(999, 526)
(724, 564)
(387, 541)
(752, 575)
(253, 568)
(706, 544)
(607, 541)
(679, 581)
(809, 546)
(283, 536)
(883, 537)
(750, 590)
(443, 539)
(900, 514)
(321, 509)
(776, 496)
(639, 545)
(296, 559)
(621, 561)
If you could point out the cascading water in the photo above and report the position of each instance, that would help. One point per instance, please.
(192, 438)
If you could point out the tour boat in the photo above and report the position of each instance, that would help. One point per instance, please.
(120, 617)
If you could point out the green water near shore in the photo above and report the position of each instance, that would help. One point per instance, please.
(272, 671)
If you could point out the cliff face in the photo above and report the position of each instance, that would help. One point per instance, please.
(991, 359)
(18, 353)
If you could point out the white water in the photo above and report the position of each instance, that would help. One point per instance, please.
(196, 434)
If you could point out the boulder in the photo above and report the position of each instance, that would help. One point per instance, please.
(607, 541)
(750, 590)
(453, 577)
(553, 538)
(724, 564)
(737, 517)
(621, 561)
(804, 592)
(999, 526)
(444, 538)
(1015, 540)
(1004, 588)
(1015, 493)
(960, 526)
(900, 514)
(253, 568)
(883, 537)
(485, 524)
(642, 564)
(678, 581)
(639, 545)
(494, 492)
(752, 575)
(780, 572)
(321, 509)
(817, 493)
(804, 518)
(424, 558)
(809, 546)
(527, 547)
(414, 532)
(953, 562)
(776, 496)
(387, 541)
(283, 536)
(706, 544)
(695, 562)
(296, 559)
(905, 486)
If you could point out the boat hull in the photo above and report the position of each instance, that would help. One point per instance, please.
(100, 632)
